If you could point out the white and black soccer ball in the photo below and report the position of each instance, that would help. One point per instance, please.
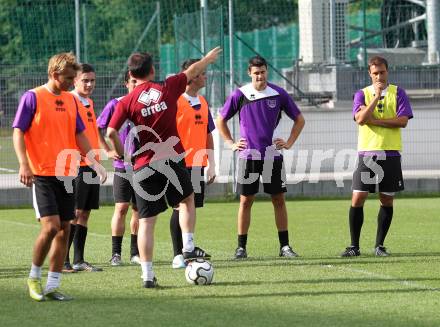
(199, 272)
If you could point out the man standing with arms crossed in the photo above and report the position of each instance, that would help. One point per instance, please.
(259, 105)
(46, 124)
(380, 110)
(160, 177)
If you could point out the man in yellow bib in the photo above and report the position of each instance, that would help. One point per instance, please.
(380, 110)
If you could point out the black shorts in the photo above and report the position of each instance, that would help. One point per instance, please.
(370, 171)
(86, 194)
(50, 197)
(198, 183)
(122, 190)
(272, 172)
(162, 182)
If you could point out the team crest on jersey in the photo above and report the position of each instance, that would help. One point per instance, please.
(271, 103)
(152, 96)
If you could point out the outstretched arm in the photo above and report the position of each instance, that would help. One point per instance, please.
(198, 67)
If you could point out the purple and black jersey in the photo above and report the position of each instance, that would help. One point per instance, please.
(104, 119)
(259, 114)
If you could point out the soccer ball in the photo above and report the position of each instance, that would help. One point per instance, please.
(199, 272)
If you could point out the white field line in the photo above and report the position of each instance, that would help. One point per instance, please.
(7, 170)
(383, 276)
(37, 226)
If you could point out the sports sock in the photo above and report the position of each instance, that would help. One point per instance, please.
(176, 233)
(134, 245)
(53, 280)
(188, 242)
(284, 238)
(79, 242)
(356, 220)
(69, 245)
(384, 218)
(147, 270)
(35, 272)
(242, 241)
(117, 244)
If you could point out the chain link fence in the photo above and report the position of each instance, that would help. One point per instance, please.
(321, 82)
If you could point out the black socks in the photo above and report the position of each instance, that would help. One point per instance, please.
(384, 218)
(356, 220)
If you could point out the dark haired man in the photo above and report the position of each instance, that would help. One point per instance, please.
(160, 178)
(259, 105)
(86, 193)
(194, 124)
(380, 110)
(123, 191)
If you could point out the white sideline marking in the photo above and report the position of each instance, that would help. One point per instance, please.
(37, 226)
(8, 170)
(382, 276)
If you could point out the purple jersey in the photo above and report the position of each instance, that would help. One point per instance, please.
(259, 114)
(104, 119)
(403, 109)
(26, 111)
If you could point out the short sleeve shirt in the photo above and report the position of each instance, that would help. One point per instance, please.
(259, 114)
(152, 108)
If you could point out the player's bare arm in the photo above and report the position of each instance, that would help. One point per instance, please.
(211, 160)
(195, 69)
(113, 136)
(83, 144)
(294, 134)
(366, 112)
(397, 122)
(25, 172)
(112, 154)
(227, 137)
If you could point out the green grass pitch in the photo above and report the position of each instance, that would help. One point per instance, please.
(317, 289)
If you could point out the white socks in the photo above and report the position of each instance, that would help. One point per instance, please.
(147, 270)
(53, 280)
(35, 272)
(188, 242)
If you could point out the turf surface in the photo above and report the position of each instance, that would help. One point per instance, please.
(317, 289)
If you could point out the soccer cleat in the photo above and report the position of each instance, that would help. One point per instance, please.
(197, 253)
(116, 260)
(240, 253)
(287, 252)
(67, 268)
(381, 251)
(56, 295)
(150, 283)
(178, 262)
(85, 266)
(35, 289)
(351, 251)
(135, 260)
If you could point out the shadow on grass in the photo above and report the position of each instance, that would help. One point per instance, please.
(320, 293)
(14, 272)
(328, 261)
(328, 281)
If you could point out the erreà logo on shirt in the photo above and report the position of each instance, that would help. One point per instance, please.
(150, 99)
